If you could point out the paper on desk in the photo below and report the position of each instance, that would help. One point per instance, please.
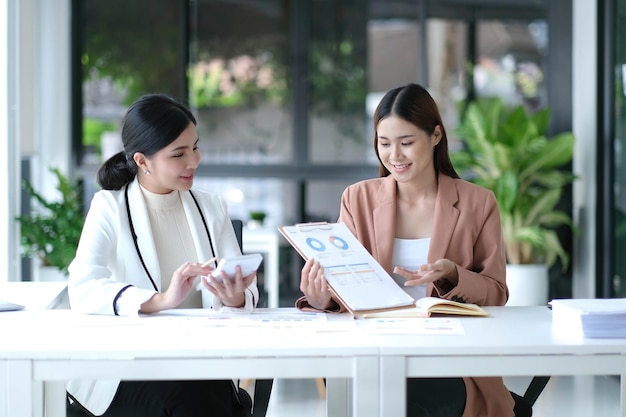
(295, 322)
(256, 315)
(593, 318)
(431, 325)
(292, 322)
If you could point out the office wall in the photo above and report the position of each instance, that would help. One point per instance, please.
(5, 180)
(9, 88)
(52, 136)
(35, 108)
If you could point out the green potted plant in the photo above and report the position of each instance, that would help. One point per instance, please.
(52, 230)
(506, 150)
(257, 217)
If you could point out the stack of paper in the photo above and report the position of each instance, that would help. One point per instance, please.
(593, 318)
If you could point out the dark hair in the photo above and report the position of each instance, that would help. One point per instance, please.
(415, 105)
(150, 124)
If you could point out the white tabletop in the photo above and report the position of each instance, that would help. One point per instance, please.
(507, 331)
(181, 333)
(512, 341)
(60, 344)
(35, 295)
(57, 345)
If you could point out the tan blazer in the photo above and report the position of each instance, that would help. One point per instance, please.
(467, 231)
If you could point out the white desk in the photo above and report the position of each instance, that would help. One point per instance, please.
(35, 295)
(265, 241)
(56, 345)
(514, 341)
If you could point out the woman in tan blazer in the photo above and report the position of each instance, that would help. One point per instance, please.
(435, 233)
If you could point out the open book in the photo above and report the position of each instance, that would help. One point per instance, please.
(428, 306)
(355, 277)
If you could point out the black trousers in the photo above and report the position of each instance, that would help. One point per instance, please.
(435, 397)
(172, 399)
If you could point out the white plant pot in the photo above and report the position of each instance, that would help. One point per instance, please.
(110, 144)
(49, 273)
(528, 285)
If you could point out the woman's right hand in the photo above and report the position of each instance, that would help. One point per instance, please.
(179, 288)
(314, 286)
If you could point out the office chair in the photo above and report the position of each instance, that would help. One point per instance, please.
(535, 388)
(524, 404)
(262, 387)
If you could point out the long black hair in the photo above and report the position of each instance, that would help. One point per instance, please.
(415, 105)
(150, 124)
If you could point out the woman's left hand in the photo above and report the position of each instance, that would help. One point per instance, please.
(229, 289)
(443, 268)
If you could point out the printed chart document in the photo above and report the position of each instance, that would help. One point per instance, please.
(355, 277)
(403, 325)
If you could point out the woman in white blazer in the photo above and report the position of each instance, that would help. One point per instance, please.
(147, 237)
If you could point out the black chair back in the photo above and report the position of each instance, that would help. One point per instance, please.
(238, 227)
(262, 387)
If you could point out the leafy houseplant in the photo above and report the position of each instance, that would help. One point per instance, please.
(258, 216)
(507, 151)
(51, 232)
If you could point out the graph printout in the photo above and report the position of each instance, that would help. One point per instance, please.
(355, 276)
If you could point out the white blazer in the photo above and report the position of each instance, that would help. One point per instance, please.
(107, 262)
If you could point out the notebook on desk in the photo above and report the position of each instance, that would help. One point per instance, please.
(7, 306)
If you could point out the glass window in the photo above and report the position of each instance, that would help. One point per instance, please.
(245, 196)
(511, 61)
(284, 91)
(239, 80)
(619, 280)
(238, 64)
(393, 51)
(123, 57)
(324, 200)
(337, 74)
(447, 62)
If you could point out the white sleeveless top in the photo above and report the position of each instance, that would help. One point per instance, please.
(410, 254)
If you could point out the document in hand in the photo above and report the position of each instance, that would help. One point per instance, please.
(592, 318)
(354, 276)
(428, 306)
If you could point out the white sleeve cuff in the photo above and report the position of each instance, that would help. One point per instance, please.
(130, 301)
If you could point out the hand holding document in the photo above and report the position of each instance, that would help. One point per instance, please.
(358, 280)
(247, 263)
(353, 274)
